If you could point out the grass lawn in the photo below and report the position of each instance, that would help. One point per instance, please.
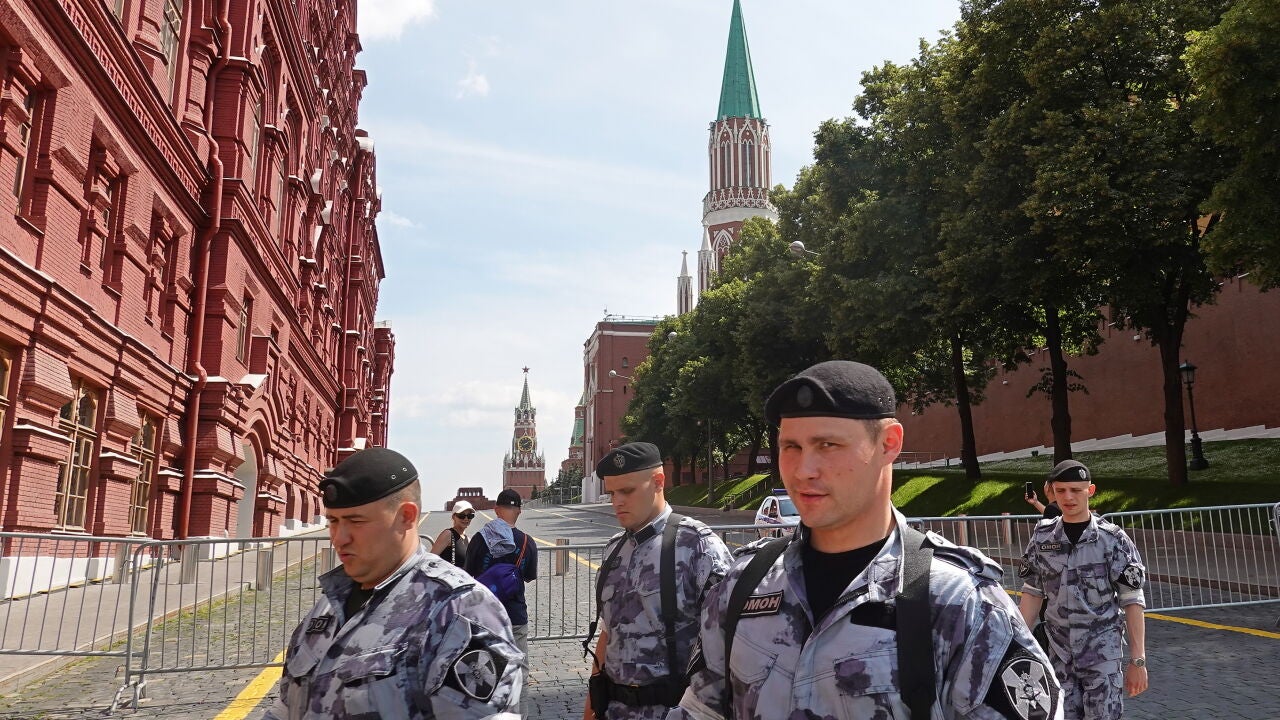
(696, 495)
(1240, 472)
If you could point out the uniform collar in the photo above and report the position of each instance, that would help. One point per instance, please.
(656, 526)
(1089, 535)
(880, 581)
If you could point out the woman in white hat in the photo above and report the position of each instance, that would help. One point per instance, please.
(451, 544)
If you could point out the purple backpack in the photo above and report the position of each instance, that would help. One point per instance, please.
(505, 580)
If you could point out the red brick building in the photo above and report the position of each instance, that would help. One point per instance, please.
(619, 344)
(189, 265)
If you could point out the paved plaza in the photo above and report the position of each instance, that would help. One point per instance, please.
(1210, 663)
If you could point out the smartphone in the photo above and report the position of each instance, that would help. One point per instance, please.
(1028, 491)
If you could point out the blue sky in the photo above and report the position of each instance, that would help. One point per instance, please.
(543, 162)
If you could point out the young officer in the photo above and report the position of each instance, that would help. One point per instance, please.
(858, 615)
(1090, 574)
(640, 660)
(399, 633)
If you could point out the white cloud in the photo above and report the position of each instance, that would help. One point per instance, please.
(457, 160)
(396, 219)
(475, 83)
(386, 19)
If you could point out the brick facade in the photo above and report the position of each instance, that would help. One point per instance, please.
(619, 344)
(1233, 342)
(189, 265)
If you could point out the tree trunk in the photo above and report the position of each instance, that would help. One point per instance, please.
(968, 442)
(676, 467)
(1060, 421)
(756, 439)
(775, 475)
(1169, 341)
(1175, 449)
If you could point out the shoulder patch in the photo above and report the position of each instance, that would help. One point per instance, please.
(475, 673)
(1024, 681)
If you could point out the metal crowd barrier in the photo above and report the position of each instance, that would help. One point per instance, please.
(218, 604)
(221, 604)
(1195, 557)
(66, 595)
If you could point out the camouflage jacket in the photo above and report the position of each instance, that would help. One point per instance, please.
(429, 643)
(786, 666)
(631, 611)
(1085, 586)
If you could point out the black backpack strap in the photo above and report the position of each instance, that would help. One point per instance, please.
(751, 576)
(668, 579)
(595, 622)
(917, 682)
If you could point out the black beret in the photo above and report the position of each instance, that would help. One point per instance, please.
(629, 458)
(368, 475)
(510, 498)
(1069, 471)
(837, 388)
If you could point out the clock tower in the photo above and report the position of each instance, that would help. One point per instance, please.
(523, 468)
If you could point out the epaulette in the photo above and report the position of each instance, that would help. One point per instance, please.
(1109, 527)
(752, 547)
(1044, 524)
(969, 559)
(698, 525)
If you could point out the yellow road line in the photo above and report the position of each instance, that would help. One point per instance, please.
(1215, 626)
(253, 693)
(1196, 623)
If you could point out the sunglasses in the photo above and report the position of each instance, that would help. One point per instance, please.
(466, 516)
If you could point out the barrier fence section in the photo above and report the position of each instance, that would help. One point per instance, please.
(220, 604)
(66, 595)
(1195, 557)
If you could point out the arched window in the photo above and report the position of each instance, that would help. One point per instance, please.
(144, 451)
(748, 152)
(170, 36)
(78, 420)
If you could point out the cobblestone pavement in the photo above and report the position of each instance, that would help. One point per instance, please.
(1197, 670)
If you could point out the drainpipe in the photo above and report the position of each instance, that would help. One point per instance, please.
(201, 275)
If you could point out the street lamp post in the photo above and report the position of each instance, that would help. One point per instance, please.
(1198, 461)
(798, 249)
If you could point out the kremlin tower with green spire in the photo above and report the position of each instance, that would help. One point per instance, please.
(738, 151)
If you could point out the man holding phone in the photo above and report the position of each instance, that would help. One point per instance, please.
(1047, 512)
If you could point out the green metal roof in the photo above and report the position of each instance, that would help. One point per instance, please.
(738, 88)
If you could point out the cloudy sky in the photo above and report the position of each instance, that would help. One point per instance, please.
(543, 163)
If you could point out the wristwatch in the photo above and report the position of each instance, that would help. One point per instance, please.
(1138, 662)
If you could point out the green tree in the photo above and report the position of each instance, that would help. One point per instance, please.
(1236, 67)
(1115, 170)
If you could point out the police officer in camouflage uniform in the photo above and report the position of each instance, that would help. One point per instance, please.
(399, 633)
(819, 635)
(632, 665)
(1090, 574)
